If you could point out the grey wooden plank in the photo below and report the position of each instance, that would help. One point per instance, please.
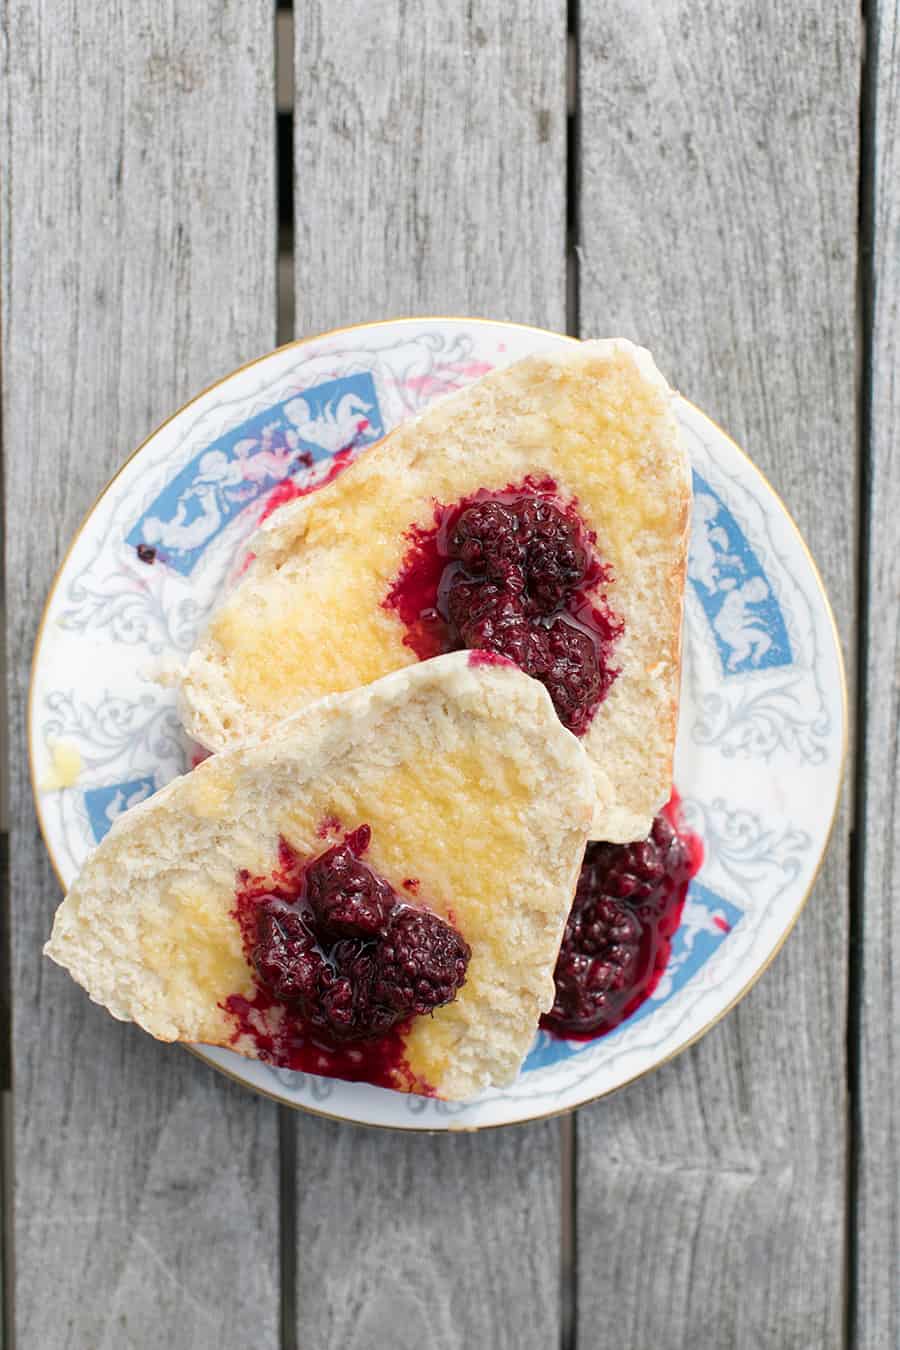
(877, 1217)
(138, 265)
(718, 212)
(437, 1241)
(430, 161)
(430, 178)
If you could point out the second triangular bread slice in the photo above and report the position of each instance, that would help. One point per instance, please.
(478, 802)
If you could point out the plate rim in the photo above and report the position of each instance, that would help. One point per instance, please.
(452, 1127)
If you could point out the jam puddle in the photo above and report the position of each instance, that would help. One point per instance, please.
(341, 965)
(515, 575)
(618, 938)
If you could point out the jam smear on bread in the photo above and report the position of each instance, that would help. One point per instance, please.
(515, 574)
(618, 936)
(341, 964)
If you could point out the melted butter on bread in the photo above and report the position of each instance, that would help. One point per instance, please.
(468, 782)
(193, 947)
(308, 617)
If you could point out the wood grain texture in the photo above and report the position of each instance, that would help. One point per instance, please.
(430, 161)
(138, 264)
(718, 222)
(439, 1241)
(877, 1220)
(430, 178)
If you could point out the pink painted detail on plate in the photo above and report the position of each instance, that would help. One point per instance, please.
(721, 923)
(443, 379)
(289, 489)
(265, 463)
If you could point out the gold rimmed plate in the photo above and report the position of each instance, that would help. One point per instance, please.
(762, 729)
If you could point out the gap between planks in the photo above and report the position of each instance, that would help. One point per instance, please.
(857, 774)
(568, 1253)
(285, 307)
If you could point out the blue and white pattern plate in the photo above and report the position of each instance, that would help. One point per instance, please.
(763, 714)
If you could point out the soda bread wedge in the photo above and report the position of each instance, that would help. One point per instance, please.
(450, 787)
(330, 602)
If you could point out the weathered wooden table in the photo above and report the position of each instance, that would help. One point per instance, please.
(718, 179)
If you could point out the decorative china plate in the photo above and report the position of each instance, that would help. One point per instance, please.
(763, 712)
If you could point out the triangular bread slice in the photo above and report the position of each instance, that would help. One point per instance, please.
(470, 786)
(308, 618)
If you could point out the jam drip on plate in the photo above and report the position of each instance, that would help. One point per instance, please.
(618, 936)
(341, 965)
(514, 574)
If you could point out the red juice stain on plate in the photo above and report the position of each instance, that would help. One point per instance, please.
(341, 965)
(618, 937)
(515, 575)
(289, 490)
(446, 378)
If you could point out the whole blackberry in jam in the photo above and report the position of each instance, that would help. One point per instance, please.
(484, 539)
(556, 558)
(420, 965)
(285, 954)
(573, 675)
(346, 896)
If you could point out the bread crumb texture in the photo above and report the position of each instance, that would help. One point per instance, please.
(469, 783)
(308, 618)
